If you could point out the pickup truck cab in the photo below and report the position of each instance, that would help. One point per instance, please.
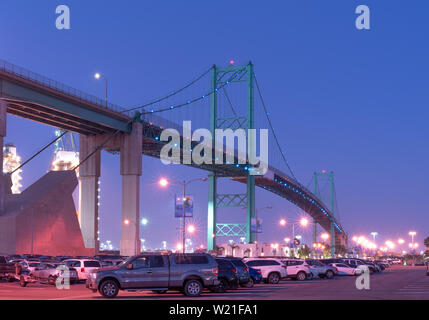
(157, 272)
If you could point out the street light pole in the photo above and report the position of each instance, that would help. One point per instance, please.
(164, 182)
(98, 76)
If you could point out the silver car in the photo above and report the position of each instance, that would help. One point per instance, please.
(49, 272)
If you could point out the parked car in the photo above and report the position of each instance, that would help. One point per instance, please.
(83, 266)
(320, 269)
(255, 277)
(297, 269)
(344, 269)
(29, 265)
(6, 268)
(110, 262)
(49, 272)
(227, 275)
(357, 262)
(242, 270)
(158, 272)
(332, 260)
(272, 270)
(13, 257)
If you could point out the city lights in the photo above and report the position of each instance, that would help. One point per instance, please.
(325, 236)
(126, 222)
(401, 241)
(282, 222)
(144, 221)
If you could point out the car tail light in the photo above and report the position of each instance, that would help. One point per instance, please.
(246, 269)
(215, 271)
(82, 269)
(258, 271)
(234, 270)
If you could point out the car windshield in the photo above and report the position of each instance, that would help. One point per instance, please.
(125, 261)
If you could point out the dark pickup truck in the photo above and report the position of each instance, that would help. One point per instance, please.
(6, 268)
(157, 272)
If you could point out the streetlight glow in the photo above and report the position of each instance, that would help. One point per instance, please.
(163, 182)
(191, 229)
(283, 222)
(304, 222)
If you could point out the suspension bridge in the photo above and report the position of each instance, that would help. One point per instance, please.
(220, 98)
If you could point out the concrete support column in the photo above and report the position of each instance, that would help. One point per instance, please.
(89, 174)
(3, 180)
(131, 171)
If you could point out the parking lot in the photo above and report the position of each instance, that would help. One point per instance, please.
(398, 282)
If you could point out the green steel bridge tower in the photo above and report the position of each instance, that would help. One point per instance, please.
(216, 199)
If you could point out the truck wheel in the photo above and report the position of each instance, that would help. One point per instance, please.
(301, 276)
(273, 278)
(22, 282)
(193, 288)
(109, 289)
(329, 274)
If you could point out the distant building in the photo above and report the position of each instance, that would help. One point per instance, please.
(252, 250)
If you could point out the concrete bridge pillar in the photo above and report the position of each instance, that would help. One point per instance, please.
(3, 180)
(89, 174)
(131, 171)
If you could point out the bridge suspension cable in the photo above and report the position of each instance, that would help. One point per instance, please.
(271, 126)
(173, 93)
(188, 102)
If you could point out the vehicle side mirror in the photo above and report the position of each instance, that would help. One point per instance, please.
(129, 266)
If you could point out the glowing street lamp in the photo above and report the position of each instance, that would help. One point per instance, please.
(98, 76)
(325, 236)
(144, 221)
(374, 234)
(412, 234)
(191, 229)
(163, 182)
(401, 241)
(304, 222)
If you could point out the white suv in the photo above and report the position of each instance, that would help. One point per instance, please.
(297, 269)
(83, 266)
(272, 270)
